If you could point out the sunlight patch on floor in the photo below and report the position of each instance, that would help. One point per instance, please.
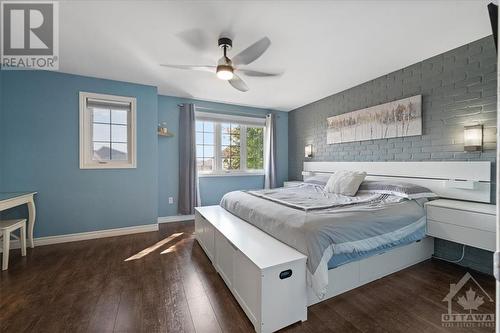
(154, 247)
(173, 247)
(170, 249)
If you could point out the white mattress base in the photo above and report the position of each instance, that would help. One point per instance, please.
(357, 273)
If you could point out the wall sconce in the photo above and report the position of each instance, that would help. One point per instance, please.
(308, 151)
(473, 138)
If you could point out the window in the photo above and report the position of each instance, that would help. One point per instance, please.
(255, 148)
(229, 144)
(205, 145)
(107, 131)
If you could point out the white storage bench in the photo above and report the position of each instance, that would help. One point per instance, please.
(266, 276)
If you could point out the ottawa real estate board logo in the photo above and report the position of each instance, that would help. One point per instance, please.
(30, 35)
(469, 305)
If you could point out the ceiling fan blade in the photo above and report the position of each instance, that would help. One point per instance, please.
(207, 68)
(252, 53)
(238, 83)
(250, 72)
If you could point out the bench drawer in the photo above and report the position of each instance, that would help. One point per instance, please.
(205, 234)
(247, 287)
(224, 258)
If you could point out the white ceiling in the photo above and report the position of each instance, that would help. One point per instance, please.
(323, 47)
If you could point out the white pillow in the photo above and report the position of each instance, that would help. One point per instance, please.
(345, 182)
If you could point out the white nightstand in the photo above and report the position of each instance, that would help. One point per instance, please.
(290, 183)
(462, 222)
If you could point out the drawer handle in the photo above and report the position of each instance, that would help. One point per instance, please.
(285, 274)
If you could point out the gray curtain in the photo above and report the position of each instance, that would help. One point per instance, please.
(270, 152)
(188, 182)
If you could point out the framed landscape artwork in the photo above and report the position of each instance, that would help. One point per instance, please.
(390, 120)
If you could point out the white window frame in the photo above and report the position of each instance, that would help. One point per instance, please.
(244, 122)
(86, 147)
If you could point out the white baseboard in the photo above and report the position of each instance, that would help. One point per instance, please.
(14, 244)
(175, 218)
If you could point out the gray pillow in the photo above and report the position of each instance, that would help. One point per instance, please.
(400, 189)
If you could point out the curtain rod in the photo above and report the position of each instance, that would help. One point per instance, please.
(230, 112)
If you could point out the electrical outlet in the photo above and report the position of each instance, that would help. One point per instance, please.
(170, 200)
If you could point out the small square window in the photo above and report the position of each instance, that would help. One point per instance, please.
(107, 131)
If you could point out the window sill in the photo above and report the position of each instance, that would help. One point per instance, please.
(108, 166)
(230, 174)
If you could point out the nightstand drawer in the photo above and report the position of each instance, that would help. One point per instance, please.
(465, 235)
(467, 219)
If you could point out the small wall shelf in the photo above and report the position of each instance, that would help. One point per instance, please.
(163, 131)
(168, 134)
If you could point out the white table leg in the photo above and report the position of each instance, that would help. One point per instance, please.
(23, 239)
(31, 221)
(6, 248)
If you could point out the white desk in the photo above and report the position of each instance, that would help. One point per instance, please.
(13, 199)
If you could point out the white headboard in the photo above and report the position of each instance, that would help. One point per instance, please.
(453, 180)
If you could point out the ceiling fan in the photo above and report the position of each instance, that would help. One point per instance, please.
(227, 69)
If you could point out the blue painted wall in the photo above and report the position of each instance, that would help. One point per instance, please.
(39, 151)
(211, 188)
(39, 135)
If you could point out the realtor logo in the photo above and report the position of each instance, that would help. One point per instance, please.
(30, 35)
(469, 296)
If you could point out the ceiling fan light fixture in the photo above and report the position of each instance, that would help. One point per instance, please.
(225, 72)
(225, 69)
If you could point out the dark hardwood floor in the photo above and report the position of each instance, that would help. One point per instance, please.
(89, 287)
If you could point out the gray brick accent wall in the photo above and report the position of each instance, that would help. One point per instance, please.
(477, 259)
(458, 88)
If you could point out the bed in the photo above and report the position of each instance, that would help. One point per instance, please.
(328, 228)
(345, 242)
